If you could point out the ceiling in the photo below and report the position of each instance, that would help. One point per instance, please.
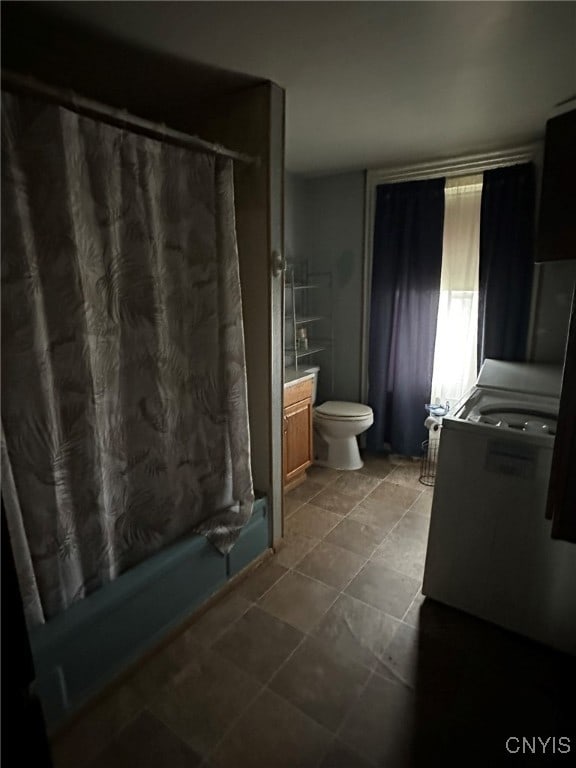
(371, 84)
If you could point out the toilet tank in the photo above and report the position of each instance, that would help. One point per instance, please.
(313, 369)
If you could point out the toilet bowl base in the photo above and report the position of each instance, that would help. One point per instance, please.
(342, 453)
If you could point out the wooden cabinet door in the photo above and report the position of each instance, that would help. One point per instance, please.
(297, 438)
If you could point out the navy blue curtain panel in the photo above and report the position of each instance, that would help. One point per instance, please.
(506, 258)
(407, 261)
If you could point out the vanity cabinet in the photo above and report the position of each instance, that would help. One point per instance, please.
(297, 428)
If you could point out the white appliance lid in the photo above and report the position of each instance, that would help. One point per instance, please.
(342, 409)
(528, 378)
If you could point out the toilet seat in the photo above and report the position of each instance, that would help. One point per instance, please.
(338, 410)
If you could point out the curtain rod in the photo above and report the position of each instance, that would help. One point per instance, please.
(120, 118)
(459, 166)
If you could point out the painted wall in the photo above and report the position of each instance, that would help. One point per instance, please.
(295, 220)
(252, 119)
(325, 227)
(325, 223)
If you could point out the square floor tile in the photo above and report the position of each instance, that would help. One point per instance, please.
(401, 659)
(272, 733)
(408, 475)
(321, 682)
(258, 643)
(331, 564)
(334, 501)
(161, 668)
(378, 513)
(312, 521)
(305, 491)
(96, 728)
(484, 641)
(322, 475)
(261, 579)
(147, 743)
(412, 615)
(423, 504)
(216, 620)
(341, 756)
(414, 525)
(355, 484)
(377, 465)
(394, 495)
(403, 553)
(381, 725)
(355, 536)
(426, 663)
(291, 505)
(357, 630)
(293, 547)
(299, 601)
(384, 588)
(200, 706)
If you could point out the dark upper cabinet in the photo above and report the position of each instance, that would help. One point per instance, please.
(556, 237)
(561, 506)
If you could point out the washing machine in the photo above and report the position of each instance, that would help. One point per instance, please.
(490, 552)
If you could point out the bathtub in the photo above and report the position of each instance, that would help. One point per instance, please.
(86, 647)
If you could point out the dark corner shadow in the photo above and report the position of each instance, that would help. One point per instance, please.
(481, 689)
(41, 41)
(467, 692)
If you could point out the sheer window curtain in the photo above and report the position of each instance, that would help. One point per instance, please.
(455, 352)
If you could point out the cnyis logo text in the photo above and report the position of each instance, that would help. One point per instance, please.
(538, 745)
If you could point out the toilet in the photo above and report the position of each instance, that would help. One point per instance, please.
(336, 426)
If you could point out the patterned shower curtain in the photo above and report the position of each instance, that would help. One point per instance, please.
(124, 399)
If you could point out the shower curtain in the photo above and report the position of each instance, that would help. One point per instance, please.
(124, 398)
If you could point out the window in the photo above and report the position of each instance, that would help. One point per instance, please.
(455, 356)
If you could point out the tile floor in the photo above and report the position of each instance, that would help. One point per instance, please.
(328, 656)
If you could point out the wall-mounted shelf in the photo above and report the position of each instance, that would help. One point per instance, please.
(302, 320)
(309, 351)
(305, 352)
(308, 311)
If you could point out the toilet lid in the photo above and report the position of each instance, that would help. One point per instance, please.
(342, 410)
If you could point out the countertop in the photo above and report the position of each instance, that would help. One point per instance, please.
(291, 376)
